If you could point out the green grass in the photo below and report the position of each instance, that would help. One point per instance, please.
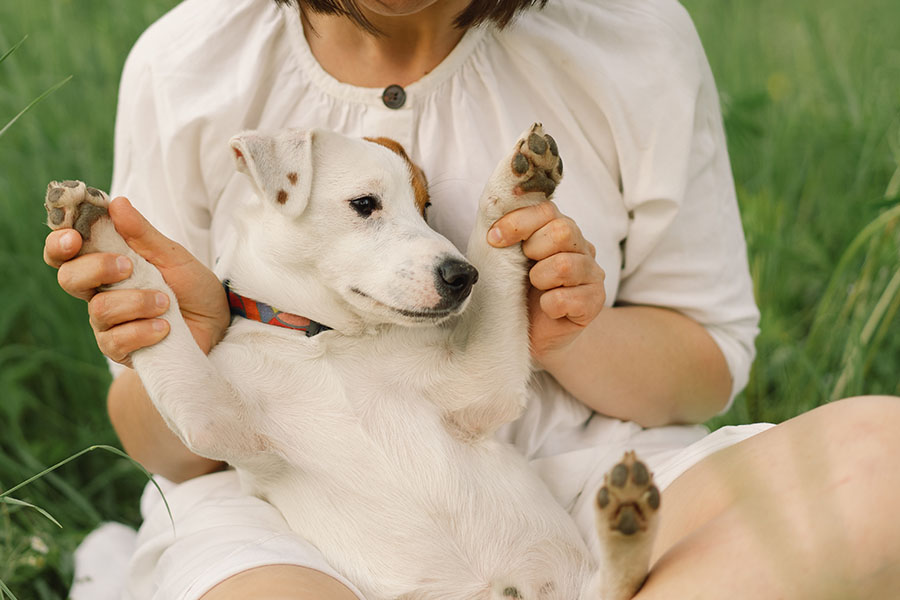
(811, 97)
(52, 378)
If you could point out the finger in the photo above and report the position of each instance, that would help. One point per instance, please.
(521, 223)
(81, 276)
(578, 304)
(60, 246)
(112, 308)
(145, 239)
(120, 341)
(558, 235)
(566, 269)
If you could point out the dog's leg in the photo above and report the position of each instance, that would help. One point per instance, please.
(627, 510)
(194, 399)
(491, 375)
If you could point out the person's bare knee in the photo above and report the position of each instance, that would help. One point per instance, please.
(280, 582)
(864, 493)
(815, 494)
(863, 414)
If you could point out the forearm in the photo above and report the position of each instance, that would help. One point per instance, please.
(644, 364)
(146, 437)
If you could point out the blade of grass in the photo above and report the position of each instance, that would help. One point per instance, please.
(893, 187)
(33, 102)
(884, 307)
(17, 502)
(833, 295)
(13, 49)
(5, 591)
(886, 299)
(63, 485)
(883, 330)
(106, 448)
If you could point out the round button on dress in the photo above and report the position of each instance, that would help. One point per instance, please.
(393, 96)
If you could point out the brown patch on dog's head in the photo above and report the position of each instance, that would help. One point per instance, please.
(417, 178)
(292, 177)
(282, 196)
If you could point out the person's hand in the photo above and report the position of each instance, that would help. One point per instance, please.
(127, 320)
(567, 290)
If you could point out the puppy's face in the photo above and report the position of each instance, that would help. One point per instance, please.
(347, 212)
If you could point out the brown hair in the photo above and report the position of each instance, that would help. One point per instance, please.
(499, 12)
(417, 176)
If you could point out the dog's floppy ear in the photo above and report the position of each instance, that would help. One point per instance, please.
(280, 166)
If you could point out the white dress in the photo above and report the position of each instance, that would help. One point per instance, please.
(622, 85)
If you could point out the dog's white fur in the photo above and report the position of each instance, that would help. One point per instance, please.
(375, 439)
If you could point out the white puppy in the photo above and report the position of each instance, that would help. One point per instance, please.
(374, 437)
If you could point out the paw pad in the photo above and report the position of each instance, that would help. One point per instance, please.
(520, 164)
(536, 163)
(628, 498)
(73, 204)
(537, 144)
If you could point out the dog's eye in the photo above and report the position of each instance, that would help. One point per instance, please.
(365, 205)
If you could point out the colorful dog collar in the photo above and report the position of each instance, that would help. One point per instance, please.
(254, 310)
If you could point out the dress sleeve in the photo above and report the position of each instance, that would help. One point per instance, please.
(157, 157)
(685, 248)
(156, 162)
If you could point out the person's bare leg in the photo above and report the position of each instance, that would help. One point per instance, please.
(804, 510)
(280, 582)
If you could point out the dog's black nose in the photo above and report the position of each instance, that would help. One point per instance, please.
(454, 279)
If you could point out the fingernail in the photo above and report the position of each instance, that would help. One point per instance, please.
(162, 300)
(67, 242)
(495, 236)
(123, 264)
(159, 325)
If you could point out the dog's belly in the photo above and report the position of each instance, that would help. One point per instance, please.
(453, 528)
(369, 473)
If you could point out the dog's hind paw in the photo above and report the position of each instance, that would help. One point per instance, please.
(628, 501)
(627, 511)
(72, 204)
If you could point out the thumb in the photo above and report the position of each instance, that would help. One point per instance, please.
(145, 239)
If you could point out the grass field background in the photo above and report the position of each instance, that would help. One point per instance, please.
(811, 98)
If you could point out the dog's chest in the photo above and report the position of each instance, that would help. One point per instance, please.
(326, 405)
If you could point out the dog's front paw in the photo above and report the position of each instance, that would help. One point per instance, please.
(74, 205)
(628, 501)
(536, 164)
(528, 176)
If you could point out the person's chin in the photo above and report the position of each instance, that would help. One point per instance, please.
(396, 8)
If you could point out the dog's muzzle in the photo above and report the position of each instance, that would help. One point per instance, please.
(453, 280)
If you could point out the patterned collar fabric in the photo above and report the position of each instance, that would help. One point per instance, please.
(259, 311)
